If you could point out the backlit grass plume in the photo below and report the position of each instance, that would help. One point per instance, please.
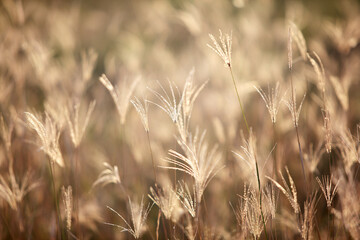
(48, 133)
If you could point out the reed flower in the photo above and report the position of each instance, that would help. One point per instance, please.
(76, 124)
(199, 162)
(139, 214)
(289, 191)
(272, 100)
(307, 218)
(68, 204)
(121, 94)
(184, 195)
(248, 212)
(293, 108)
(49, 135)
(168, 102)
(166, 199)
(223, 48)
(142, 110)
(13, 192)
(108, 175)
(327, 188)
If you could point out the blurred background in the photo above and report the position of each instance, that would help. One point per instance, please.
(52, 54)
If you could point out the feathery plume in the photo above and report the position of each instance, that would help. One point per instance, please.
(13, 192)
(108, 175)
(307, 219)
(184, 195)
(76, 125)
(299, 39)
(294, 110)
(166, 199)
(142, 110)
(272, 100)
(198, 161)
(68, 204)
(327, 188)
(139, 214)
(121, 95)
(223, 49)
(289, 191)
(169, 105)
(49, 135)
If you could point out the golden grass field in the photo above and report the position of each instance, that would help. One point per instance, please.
(169, 119)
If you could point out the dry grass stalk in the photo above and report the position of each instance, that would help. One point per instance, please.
(327, 188)
(199, 162)
(297, 35)
(166, 199)
(49, 135)
(184, 195)
(76, 125)
(189, 95)
(139, 214)
(223, 49)
(307, 219)
(248, 213)
(168, 102)
(320, 72)
(121, 95)
(313, 157)
(13, 192)
(68, 204)
(88, 60)
(142, 110)
(292, 106)
(289, 191)
(348, 149)
(108, 175)
(341, 88)
(272, 100)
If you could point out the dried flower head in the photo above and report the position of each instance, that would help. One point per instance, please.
(168, 102)
(139, 214)
(307, 219)
(248, 212)
(292, 106)
(313, 157)
(121, 95)
(184, 195)
(166, 199)
(189, 95)
(14, 192)
(248, 155)
(223, 49)
(289, 191)
(76, 125)
(108, 175)
(272, 100)
(327, 188)
(68, 204)
(88, 60)
(199, 162)
(142, 110)
(49, 135)
(299, 39)
(341, 88)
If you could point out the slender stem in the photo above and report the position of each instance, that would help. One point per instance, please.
(301, 158)
(76, 185)
(248, 130)
(239, 100)
(296, 128)
(261, 210)
(55, 199)
(152, 157)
